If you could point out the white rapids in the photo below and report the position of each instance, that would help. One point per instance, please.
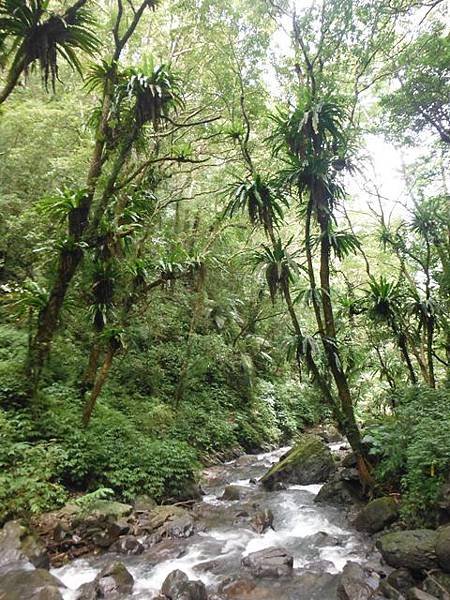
(223, 540)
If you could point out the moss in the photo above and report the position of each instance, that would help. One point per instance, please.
(309, 462)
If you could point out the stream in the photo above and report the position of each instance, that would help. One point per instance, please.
(318, 536)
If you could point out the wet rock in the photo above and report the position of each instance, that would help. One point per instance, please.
(245, 460)
(245, 589)
(387, 591)
(355, 584)
(316, 586)
(338, 492)
(164, 550)
(102, 532)
(443, 547)
(320, 539)
(413, 549)
(127, 544)
(319, 566)
(232, 493)
(269, 562)
(310, 461)
(174, 583)
(177, 586)
(163, 514)
(262, 521)
(377, 515)
(181, 527)
(36, 584)
(19, 547)
(114, 578)
(400, 579)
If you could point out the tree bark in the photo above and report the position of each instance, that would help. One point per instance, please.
(99, 382)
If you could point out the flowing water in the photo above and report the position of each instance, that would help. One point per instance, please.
(224, 536)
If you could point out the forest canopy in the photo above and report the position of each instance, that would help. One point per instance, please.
(222, 222)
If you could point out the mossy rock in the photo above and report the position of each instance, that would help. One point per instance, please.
(413, 549)
(377, 515)
(309, 462)
(109, 508)
(443, 547)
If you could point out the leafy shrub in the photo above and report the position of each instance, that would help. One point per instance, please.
(413, 445)
(28, 472)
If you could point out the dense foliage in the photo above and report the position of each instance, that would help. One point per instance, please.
(196, 255)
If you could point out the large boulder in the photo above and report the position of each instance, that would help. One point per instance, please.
(177, 586)
(443, 547)
(377, 515)
(413, 549)
(19, 547)
(355, 583)
(310, 461)
(113, 579)
(35, 584)
(269, 562)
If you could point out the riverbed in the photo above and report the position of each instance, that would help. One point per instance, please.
(318, 536)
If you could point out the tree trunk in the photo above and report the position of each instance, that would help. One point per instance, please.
(310, 362)
(329, 340)
(69, 258)
(91, 370)
(99, 383)
(11, 81)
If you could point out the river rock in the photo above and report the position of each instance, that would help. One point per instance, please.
(269, 562)
(262, 520)
(339, 492)
(320, 539)
(245, 460)
(355, 583)
(413, 549)
(377, 515)
(400, 579)
(163, 514)
(232, 493)
(317, 586)
(35, 584)
(310, 461)
(114, 578)
(443, 547)
(127, 544)
(177, 586)
(19, 547)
